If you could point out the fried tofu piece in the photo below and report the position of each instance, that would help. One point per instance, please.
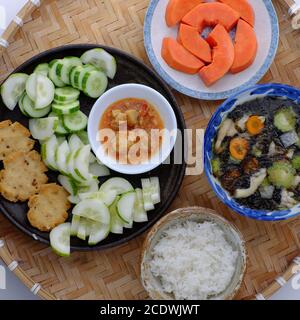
(14, 137)
(22, 176)
(48, 208)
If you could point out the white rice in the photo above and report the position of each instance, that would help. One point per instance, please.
(194, 261)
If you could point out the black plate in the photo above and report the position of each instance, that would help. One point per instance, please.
(130, 70)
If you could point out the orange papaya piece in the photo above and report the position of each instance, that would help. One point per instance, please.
(222, 56)
(191, 39)
(176, 9)
(177, 57)
(244, 8)
(245, 47)
(211, 14)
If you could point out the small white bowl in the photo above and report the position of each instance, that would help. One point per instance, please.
(132, 91)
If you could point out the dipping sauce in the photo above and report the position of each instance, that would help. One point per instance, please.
(140, 122)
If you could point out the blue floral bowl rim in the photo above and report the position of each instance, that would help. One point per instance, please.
(211, 95)
(224, 108)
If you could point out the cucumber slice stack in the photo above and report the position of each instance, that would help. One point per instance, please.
(64, 67)
(88, 74)
(92, 81)
(113, 207)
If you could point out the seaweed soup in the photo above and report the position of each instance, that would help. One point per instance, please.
(256, 154)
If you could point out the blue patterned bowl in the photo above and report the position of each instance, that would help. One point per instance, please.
(272, 89)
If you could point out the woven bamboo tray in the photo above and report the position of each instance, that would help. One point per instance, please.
(114, 274)
(18, 21)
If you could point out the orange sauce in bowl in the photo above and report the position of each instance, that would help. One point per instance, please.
(139, 122)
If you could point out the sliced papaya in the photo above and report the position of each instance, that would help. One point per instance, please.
(244, 8)
(245, 47)
(177, 9)
(191, 39)
(222, 56)
(211, 14)
(177, 57)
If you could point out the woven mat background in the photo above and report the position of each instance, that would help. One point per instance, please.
(114, 274)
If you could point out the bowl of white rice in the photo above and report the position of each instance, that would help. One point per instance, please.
(193, 254)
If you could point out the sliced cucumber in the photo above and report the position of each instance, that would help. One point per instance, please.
(44, 92)
(98, 232)
(31, 85)
(52, 73)
(92, 209)
(155, 192)
(21, 106)
(76, 77)
(125, 206)
(76, 121)
(71, 167)
(61, 158)
(50, 148)
(60, 140)
(120, 185)
(66, 94)
(62, 103)
(60, 239)
(94, 83)
(43, 128)
(83, 136)
(42, 68)
(116, 223)
(43, 153)
(28, 106)
(68, 183)
(74, 225)
(93, 159)
(74, 199)
(60, 129)
(73, 72)
(12, 89)
(85, 69)
(139, 212)
(65, 66)
(98, 170)
(128, 225)
(147, 194)
(91, 186)
(81, 159)
(66, 108)
(82, 229)
(102, 60)
(79, 74)
(74, 142)
(107, 197)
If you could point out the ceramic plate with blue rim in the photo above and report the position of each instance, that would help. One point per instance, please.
(258, 91)
(267, 31)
